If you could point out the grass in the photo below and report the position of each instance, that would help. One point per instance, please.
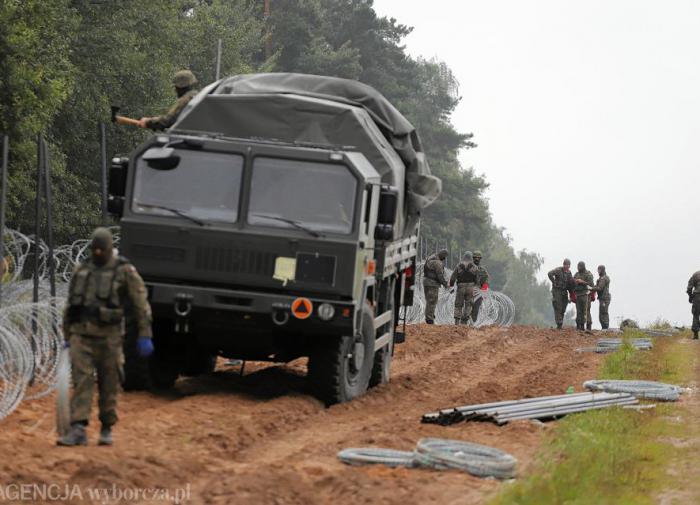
(609, 456)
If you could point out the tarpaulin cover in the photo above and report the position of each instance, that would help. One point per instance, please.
(324, 111)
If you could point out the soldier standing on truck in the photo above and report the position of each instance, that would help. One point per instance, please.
(694, 298)
(465, 276)
(482, 281)
(433, 278)
(562, 290)
(184, 82)
(602, 288)
(103, 291)
(583, 280)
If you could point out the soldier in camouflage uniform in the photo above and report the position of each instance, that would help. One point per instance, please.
(465, 276)
(583, 280)
(103, 291)
(184, 82)
(562, 290)
(602, 288)
(482, 280)
(433, 278)
(694, 298)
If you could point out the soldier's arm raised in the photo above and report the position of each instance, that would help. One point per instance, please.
(551, 275)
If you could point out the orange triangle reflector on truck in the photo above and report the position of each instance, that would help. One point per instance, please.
(302, 308)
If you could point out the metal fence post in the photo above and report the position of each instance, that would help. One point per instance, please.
(3, 205)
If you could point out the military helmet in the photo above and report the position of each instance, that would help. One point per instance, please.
(184, 79)
(102, 239)
(477, 254)
(443, 254)
(468, 256)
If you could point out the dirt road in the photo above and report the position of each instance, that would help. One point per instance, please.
(262, 439)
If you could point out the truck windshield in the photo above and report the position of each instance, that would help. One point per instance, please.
(204, 186)
(294, 194)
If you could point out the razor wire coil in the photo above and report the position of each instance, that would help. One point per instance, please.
(640, 388)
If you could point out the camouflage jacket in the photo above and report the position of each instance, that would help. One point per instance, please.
(434, 272)
(465, 274)
(561, 279)
(582, 289)
(168, 119)
(694, 283)
(482, 276)
(100, 298)
(602, 287)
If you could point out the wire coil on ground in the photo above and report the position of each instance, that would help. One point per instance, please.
(641, 389)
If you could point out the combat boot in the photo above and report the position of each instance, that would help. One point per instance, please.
(457, 321)
(76, 436)
(559, 325)
(105, 436)
(429, 321)
(589, 327)
(695, 335)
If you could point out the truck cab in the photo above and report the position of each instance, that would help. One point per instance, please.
(265, 249)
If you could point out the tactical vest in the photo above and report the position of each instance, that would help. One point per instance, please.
(94, 295)
(463, 275)
(428, 271)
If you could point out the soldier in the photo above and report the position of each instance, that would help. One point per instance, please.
(583, 279)
(184, 82)
(694, 298)
(481, 280)
(433, 278)
(602, 288)
(465, 276)
(562, 290)
(102, 291)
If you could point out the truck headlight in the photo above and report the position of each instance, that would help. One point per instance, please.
(326, 311)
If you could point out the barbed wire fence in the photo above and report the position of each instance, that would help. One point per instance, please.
(497, 309)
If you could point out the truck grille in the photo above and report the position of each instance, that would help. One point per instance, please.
(239, 261)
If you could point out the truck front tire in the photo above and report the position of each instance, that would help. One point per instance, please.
(340, 367)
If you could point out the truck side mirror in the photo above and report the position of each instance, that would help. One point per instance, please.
(117, 176)
(388, 203)
(117, 186)
(161, 158)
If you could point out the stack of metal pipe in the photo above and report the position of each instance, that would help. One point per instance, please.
(548, 407)
(612, 344)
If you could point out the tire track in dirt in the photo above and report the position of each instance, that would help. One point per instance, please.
(262, 439)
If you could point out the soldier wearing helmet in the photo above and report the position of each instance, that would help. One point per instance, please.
(104, 291)
(562, 290)
(602, 288)
(465, 277)
(433, 278)
(184, 82)
(694, 298)
(583, 281)
(482, 281)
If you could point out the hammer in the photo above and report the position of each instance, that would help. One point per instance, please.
(122, 119)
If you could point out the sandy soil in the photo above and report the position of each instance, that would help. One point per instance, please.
(262, 439)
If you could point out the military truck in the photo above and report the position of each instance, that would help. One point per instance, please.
(277, 219)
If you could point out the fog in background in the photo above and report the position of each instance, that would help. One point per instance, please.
(587, 117)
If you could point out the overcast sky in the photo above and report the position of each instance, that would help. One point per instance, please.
(587, 116)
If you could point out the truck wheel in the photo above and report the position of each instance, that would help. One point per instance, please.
(340, 368)
(199, 362)
(163, 371)
(136, 375)
(381, 370)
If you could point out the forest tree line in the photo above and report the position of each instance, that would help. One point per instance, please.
(64, 62)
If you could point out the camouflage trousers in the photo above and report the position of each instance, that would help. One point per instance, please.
(603, 315)
(431, 299)
(89, 355)
(560, 299)
(464, 300)
(696, 313)
(583, 311)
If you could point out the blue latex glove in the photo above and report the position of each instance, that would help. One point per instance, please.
(144, 346)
